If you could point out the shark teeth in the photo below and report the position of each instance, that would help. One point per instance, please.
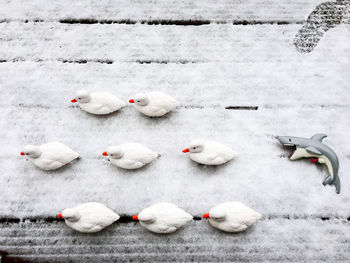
(293, 151)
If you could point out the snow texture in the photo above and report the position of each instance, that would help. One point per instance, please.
(206, 68)
(275, 240)
(158, 9)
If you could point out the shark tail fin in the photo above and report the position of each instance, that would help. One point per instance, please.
(335, 181)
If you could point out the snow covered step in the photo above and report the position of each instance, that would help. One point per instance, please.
(165, 10)
(256, 128)
(243, 54)
(258, 177)
(296, 185)
(163, 44)
(278, 239)
(317, 80)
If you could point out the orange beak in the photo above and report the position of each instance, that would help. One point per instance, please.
(73, 100)
(135, 218)
(59, 216)
(131, 101)
(206, 216)
(186, 150)
(105, 154)
(22, 153)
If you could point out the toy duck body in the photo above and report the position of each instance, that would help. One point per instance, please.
(130, 155)
(98, 103)
(154, 104)
(210, 152)
(89, 217)
(232, 217)
(163, 218)
(49, 156)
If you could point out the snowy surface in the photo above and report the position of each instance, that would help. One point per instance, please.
(268, 241)
(157, 9)
(207, 68)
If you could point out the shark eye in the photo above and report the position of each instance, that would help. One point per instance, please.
(290, 140)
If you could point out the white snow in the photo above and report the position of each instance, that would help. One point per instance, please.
(258, 177)
(243, 44)
(159, 9)
(267, 241)
(206, 68)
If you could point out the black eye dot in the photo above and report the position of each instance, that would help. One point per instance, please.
(290, 140)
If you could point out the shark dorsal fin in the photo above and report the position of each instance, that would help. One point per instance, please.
(313, 150)
(319, 137)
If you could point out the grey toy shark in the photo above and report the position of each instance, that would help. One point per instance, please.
(313, 147)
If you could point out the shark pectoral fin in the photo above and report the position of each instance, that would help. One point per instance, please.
(328, 180)
(313, 150)
(319, 137)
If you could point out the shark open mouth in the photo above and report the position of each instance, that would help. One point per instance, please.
(293, 151)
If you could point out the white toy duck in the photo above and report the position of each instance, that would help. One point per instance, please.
(154, 104)
(130, 155)
(210, 152)
(49, 156)
(89, 217)
(98, 103)
(232, 217)
(163, 218)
